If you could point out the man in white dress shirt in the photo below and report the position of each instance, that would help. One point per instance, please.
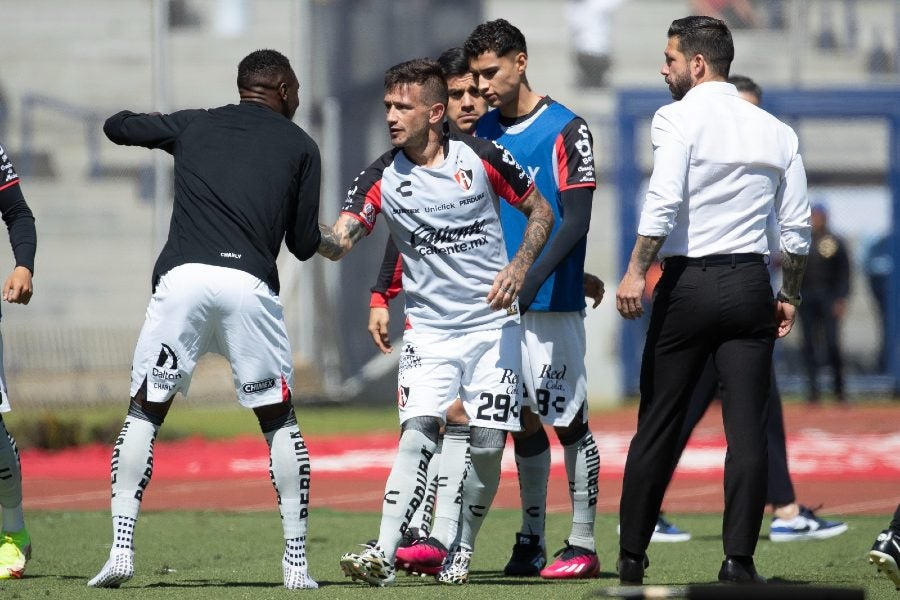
(721, 165)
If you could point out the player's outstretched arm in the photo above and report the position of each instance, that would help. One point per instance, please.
(340, 238)
(540, 222)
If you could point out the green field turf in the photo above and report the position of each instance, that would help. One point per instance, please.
(238, 555)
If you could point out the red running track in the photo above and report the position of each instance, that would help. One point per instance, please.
(846, 458)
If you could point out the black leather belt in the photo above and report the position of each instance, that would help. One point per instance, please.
(714, 260)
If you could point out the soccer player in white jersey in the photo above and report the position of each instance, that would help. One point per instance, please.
(439, 194)
(15, 543)
(438, 515)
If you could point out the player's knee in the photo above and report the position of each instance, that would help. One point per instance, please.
(153, 412)
(574, 431)
(482, 437)
(531, 444)
(457, 429)
(428, 426)
(531, 424)
(275, 416)
(572, 434)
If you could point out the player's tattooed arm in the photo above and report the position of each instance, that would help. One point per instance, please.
(340, 238)
(792, 268)
(540, 222)
(537, 231)
(631, 288)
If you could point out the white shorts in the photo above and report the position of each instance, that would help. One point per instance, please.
(4, 397)
(480, 367)
(553, 348)
(199, 308)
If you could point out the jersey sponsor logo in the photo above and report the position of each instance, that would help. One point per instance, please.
(505, 155)
(401, 189)
(553, 379)
(405, 211)
(429, 240)
(583, 146)
(510, 378)
(471, 199)
(464, 178)
(229, 255)
(426, 234)
(440, 207)
(533, 172)
(254, 387)
(9, 173)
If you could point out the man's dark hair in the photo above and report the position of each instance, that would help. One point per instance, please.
(454, 62)
(746, 85)
(707, 36)
(262, 67)
(421, 71)
(498, 36)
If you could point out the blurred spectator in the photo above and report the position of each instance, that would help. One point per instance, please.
(738, 14)
(826, 38)
(826, 287)
(879, 60)
(878, 265)
(589, 23)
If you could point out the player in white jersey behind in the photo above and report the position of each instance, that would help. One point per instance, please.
(439, 194)
(15, 543)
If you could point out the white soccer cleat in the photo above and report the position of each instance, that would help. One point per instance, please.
(371, 566)
(117, 570)
(456, 567)
(297, 578)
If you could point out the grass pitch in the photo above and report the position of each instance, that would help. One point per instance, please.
(200, 555)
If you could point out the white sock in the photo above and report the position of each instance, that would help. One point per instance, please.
(123, 534)
(423, 520)
(132, 466)
(405, 489)
(290, 472)
(583, 470)
(10, 482)
(479, 489)
(454, 462)
(295, 552)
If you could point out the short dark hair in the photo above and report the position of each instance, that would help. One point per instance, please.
(707, 36)
(454, 62)
(421, 71)
(746, 85)
(498, 36)
(263, 67)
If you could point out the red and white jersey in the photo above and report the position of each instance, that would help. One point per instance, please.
(445, 221)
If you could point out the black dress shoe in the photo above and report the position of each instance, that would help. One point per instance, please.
(735, 571)
(631, 570)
